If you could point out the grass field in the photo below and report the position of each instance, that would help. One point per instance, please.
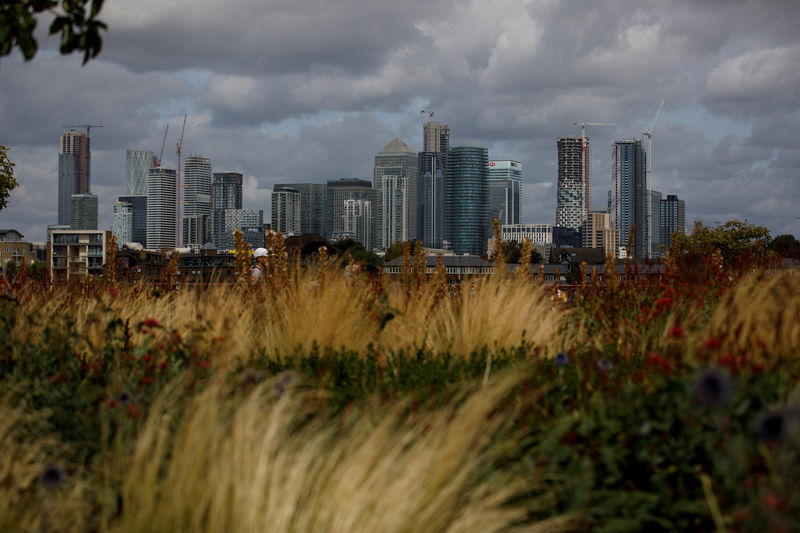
(321, 401)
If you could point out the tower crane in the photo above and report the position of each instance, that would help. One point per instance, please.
(163, 142)
(585, 161)
(648, 132)
(87, 126)
(178, 195)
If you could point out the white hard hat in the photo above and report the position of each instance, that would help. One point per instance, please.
(260, 252)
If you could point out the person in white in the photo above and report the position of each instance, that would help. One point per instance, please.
(260, 266)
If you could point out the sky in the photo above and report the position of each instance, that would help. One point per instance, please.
(288, 91)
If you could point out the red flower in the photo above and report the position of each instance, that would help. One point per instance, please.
(657, 360)
(147, 359)
(111, 402)
(729, 361)
(146, 380)
(676, 331)
(713, 343)
(204, 363)
(151, 323)
(133, 411)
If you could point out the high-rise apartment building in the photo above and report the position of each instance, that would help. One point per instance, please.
(138, 206)
(395, 180)
(347, 189)
(431, 189)
(629, 198)
(137, 163)
(505, 191)
(196, 215)
(599, 233)
(226, 193)
(74, 171)
(467, 199)
(83, 211)
(286, 210)
(357, 221)
(573, 184)
(162, 208)
(122, 227)
(654, 225)
(250, 221)
(313, 204)
(673, 219)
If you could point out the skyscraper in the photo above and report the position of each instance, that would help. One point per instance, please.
(250, 221)
(347, 189)
(431, 194)
(196, 216)
(122, 228)
(654, 224)
(673, 219)
(84, 211)
(162, 209)
(599, 233)
(630, 202)
(357, 221)
(74, 171)
(226, 193)
(138, 206)
(395, 180)
(313, 202)
(505, 191)
(137, 163)
(572, 193)
(467, 199)
(286, 210)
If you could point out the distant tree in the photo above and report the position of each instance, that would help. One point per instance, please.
(394, 251)
(75, 20)
(785, 246)
(7, 181)
(512, 251)
(738, 242)
(360, 255)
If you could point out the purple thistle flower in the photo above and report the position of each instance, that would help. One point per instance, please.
(773, 425)
(561, 359)
(712, 387)
(125, 398)
(605, 364)
(52, 476)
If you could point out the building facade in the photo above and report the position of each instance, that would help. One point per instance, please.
(226, 193)
(14, 250)
(467, 199)
(286, 206)
(348, 189)
(654, 225)
(432, 165)
(196, 216)
(599, 233)
(162, 210)
(77, 253)
(137, 163)
(84, 211)
(673, 219)
(122, 227)
(250, 221)
(74, 171)
(629, 198)
(395, 180)
(505, 191)
(573, 183)
(357, 222)
(313, 205)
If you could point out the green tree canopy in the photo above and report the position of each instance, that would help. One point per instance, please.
(785, 246)
(512, 252)
(359, 254)
(735, 239)
(75, 20)
(7, 181)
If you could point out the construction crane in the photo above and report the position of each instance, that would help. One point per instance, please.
(87, 126)
(178, 195)
(163, 142)
(585, 162)
(648, 132)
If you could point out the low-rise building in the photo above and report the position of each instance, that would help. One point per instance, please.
(14, 250)
(77, 253)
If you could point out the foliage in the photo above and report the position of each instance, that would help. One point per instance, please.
(512, 252)
(393, 252)
(360, 255)
(7, 181)
(785, 246)
(75, 20)
(737, 241)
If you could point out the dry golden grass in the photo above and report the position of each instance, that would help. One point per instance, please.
(247, 466)
(759, 317)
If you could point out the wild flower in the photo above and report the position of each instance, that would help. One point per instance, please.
(605, 364)
(151, 323)
(52, 476)
(712, 343)
(676, 331)
(561, 359)
(250, 377)
(125, 398)
(712, 387)
(774, 425)
(656, 360)
(283, 382)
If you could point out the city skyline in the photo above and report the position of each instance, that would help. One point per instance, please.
(308, 101)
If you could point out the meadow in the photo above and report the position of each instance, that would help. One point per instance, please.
(328, 400)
